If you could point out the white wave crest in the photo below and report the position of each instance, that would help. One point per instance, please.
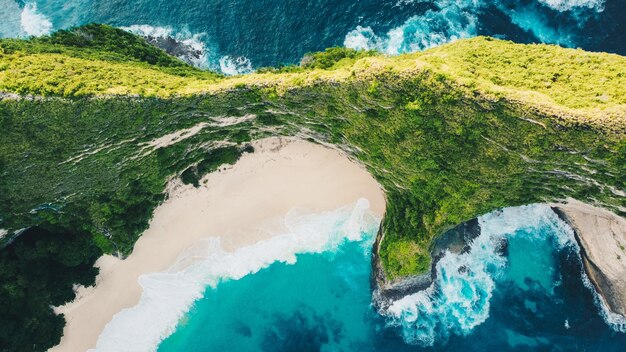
(616, 321)
(195, 51)
(456, 19)
(459, 298)
(168, 296)
(34, 23)
(235, 65)
(435, 27)
(568, 5)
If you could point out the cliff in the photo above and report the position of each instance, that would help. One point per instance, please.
(602, 238)
(95, 121)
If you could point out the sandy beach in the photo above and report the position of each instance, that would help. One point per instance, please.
(238, 204)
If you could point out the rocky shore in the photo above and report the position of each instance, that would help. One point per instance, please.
(175, 47)
(601, 236)
(385, 291)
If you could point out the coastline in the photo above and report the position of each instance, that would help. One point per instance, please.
(601, 236)
(385, 292)
(242, 204)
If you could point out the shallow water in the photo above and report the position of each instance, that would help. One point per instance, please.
(239, 35)
(528, 295)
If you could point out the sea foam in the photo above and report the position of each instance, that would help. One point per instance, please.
(616, 321)
(168, 296)
(235, 65)
(196, 42)
(434, 27)
(459, 298)
(451, 20)
(568, 5)
(34, 23)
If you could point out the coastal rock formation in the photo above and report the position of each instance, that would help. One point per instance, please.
(456, 240)
(602, 238)
(449, 133)
(600, 234)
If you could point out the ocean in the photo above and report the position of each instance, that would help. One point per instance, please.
(310, 289)
(238, 36)
(520, 287)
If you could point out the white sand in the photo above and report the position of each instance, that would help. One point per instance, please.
(234, 204)
(602, 235)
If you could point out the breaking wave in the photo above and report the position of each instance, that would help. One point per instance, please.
(459, 298)
(568, 5)
(235, 65)
(168, 296)
(616, 321)
(193, 48)
(456, 19)
(187, 46)
(34, 23)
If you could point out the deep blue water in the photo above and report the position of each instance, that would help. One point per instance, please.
(533, 297)
(530, 296)
(272, 32)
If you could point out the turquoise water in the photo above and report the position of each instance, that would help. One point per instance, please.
(322, 300)
(526, 295)
(237, 36)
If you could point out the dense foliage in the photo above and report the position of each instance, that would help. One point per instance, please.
(108, 42)
(37, 271)
(580, 88)
(108, 54)
(333, 57)
(450, 133)
(214, 159)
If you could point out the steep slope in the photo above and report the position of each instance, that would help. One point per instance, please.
(91, 133)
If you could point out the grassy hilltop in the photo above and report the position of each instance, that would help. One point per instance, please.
(450, 133)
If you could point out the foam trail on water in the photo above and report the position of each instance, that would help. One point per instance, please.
(616, 321)
(455, 19)
(434, 27)
(568, 5)
(239, 65)
(34, 23)
(168, 296)
(187, 46)
(459, 298)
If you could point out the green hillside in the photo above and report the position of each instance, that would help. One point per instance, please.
(451, 133)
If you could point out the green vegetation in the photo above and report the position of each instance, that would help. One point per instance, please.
(92, 58)
(103, 43)
(572, 78)
(215, 159)
(450, 133)
(37, 271)
(334, 58)
(329, 59)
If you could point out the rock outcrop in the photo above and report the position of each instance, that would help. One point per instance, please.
(601, 235)
(456, 240)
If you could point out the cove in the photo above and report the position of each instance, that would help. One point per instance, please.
(520, 287)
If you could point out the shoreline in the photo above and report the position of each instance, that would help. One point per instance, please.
(385, 292)
(601, 236)
(241, 204)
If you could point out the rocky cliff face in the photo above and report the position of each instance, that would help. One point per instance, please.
(602, 239)
(600, 234)
(456, 240)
